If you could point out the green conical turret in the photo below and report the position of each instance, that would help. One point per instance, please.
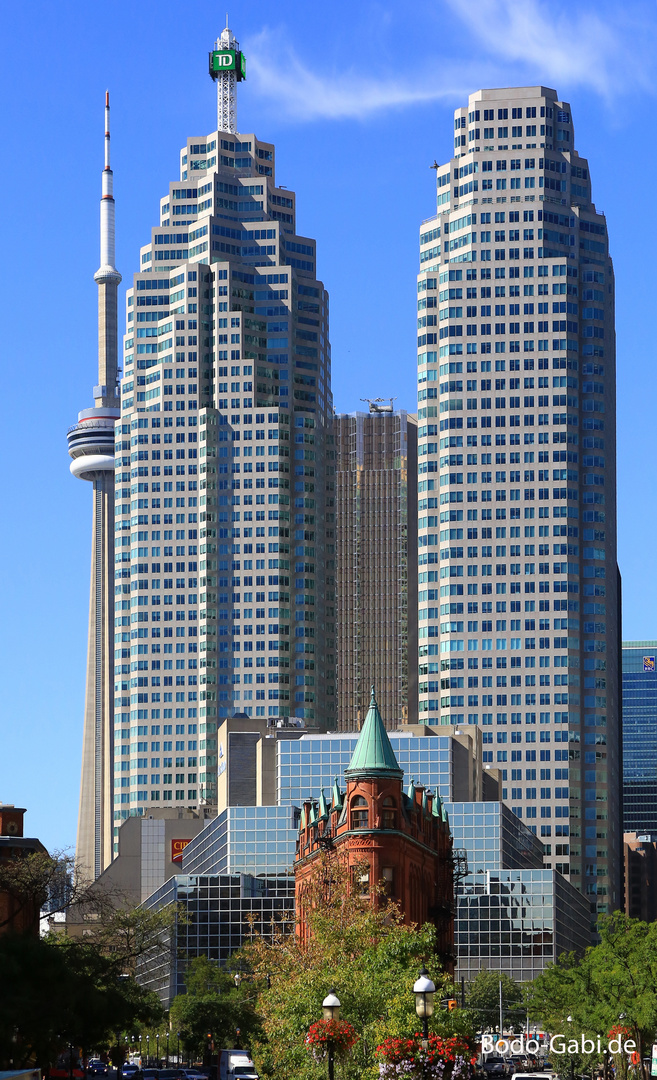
(373, 754)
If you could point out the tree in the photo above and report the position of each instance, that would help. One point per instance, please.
(213, 1005)
(367, 954)
(55, 993)
(35, 879)
(484, 998)
(613, 985)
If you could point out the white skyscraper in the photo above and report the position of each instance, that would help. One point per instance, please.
(518, 586)
(224, 527)
(91, 446)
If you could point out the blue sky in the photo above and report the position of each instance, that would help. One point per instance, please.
(358, 99)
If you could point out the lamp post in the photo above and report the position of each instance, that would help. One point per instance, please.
(572, 1063)
(178, 1051)
(424, 989)
(148, 1050)
(157, 1049)
(331, 1010)
(140, 1060)
(167, 1058)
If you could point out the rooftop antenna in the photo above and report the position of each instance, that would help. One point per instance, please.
(376, 405)
(227, 68)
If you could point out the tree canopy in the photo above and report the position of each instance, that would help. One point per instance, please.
(613, 986)
(59, 991)
(367, 954)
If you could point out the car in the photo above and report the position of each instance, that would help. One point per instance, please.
(130, 1069)
(96, 1067)
(150, 1074)
(495, 1065)
(192, 1074)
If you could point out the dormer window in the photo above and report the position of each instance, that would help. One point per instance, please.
(359, 814)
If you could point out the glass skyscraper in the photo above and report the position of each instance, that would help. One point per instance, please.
(639, 737)
(518, 585)
(376, 542)
(223, 530)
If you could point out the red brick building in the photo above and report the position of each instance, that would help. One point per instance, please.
(18, 913)
(383, 835)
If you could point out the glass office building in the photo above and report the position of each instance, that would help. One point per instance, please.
(639, 737)
(213, 918)
(307, 765)
(518, 922)
(375, 543)
(518, 591)
(222, 526)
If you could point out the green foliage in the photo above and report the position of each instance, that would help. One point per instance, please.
(615, 983)
(369, 956)
(483, 997)
(213, 1005)
(61, 991)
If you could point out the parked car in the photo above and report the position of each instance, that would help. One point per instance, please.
(130, 1069)
(495, 1065)
(96, 1067)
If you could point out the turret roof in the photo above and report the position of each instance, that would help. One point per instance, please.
(373, 754)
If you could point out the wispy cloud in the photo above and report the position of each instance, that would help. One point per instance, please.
(574, 47)
(308, 95)
(508, 42)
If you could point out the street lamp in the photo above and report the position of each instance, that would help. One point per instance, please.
(572, 1063)
(178, 1051)
(167, 1065)
(157, 1049)
(148, 1050)
(331, 1010)
(424, 989)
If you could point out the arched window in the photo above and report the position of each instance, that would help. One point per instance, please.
(359, 814)
(389, 813)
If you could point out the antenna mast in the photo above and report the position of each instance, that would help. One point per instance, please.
(227, 68)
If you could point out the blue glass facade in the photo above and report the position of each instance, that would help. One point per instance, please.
(640, 736)
(307, 765)
(518, 921)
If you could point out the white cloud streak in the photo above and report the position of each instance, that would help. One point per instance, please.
(576, 48)
(522, 41)
(307, 95)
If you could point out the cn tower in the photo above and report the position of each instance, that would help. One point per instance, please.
(91, 446)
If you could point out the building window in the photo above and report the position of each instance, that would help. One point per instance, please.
(361, 879)
(388, 875)
(359, 817)
(389, 813)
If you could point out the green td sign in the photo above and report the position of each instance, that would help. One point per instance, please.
(227, 60)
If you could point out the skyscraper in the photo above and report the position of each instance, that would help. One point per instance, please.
(376, 541)
(639, 736)
(223, 533)
(518, 586)
(91, 446)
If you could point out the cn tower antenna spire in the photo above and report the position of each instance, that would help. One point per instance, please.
(91, 447)
(227, 68)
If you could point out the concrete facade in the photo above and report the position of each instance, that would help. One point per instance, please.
(91, 447)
